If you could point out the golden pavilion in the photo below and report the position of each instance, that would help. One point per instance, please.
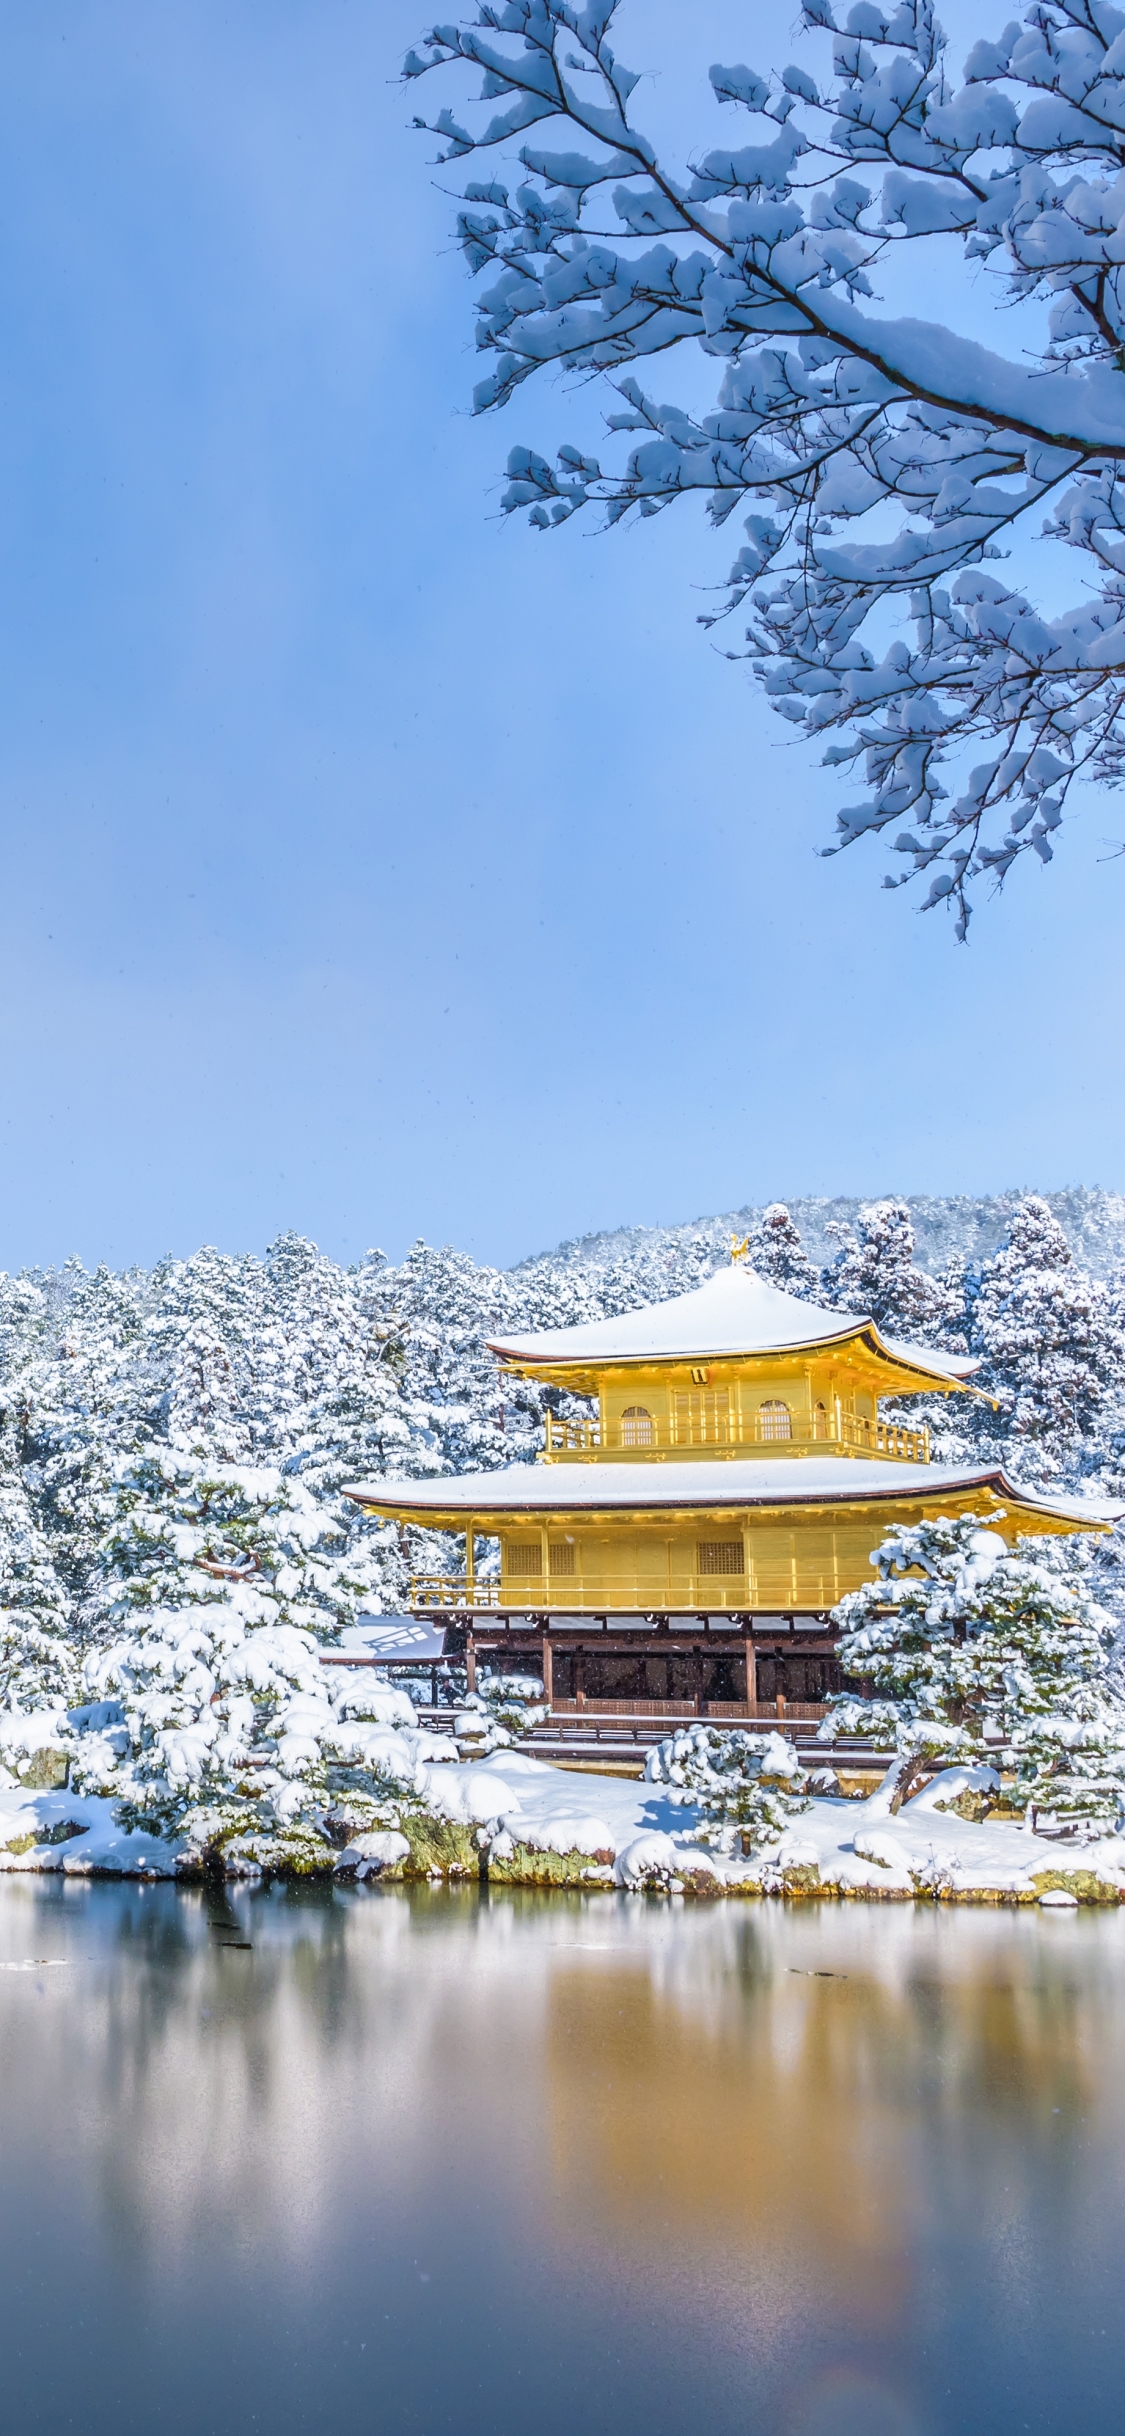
(684, 1540)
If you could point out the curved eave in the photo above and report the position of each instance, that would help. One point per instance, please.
(912, 1376)
(492, 1500)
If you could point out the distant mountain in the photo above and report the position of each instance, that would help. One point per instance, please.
(1092, 1220)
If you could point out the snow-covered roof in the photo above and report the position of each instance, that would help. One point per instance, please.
(811, 1480)
(394, 1640)
(735, 1312)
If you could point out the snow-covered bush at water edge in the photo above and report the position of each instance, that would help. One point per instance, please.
(976, 1652)
(208, 1718)
(746, 1787)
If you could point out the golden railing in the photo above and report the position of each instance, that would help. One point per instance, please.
(545, 1594)
(582, 1439)
(453, 1590)
(572, 1437)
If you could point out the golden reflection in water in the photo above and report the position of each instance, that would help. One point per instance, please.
(772, 2106)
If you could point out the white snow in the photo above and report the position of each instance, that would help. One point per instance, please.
(368, 1854)
(102, 1845)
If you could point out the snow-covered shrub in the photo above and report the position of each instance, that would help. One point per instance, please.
(38, 1668)
(978, 1652)
(746, 1787)
(217, 1586)
(513, 1704)
(501, 1709)
(237, 1742)
(649, 1863)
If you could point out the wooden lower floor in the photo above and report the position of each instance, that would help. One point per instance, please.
(722, 1665)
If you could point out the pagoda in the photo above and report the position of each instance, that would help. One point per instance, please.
(685, 1542)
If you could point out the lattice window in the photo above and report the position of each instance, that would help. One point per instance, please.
(702, 1418)
(721, 1556)
(775, 1419)
(636, 1426)
(560, 1556)
(524, 1560)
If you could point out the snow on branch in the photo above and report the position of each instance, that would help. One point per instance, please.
(881, 464)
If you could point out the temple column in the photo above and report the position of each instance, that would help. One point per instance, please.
(546, 1668)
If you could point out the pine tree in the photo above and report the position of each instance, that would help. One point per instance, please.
(219, 1586)
(874, 1273)
(974, 1652)
(1053, 1347)
(746, 1787)
(778, 1255)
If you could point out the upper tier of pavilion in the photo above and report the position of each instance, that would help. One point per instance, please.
(736, 1367)
(738, 1318)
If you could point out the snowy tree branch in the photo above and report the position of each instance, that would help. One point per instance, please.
(885, 459)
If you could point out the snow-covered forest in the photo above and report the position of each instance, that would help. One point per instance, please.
(173, 1443)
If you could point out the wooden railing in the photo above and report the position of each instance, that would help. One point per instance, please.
(795, 1712)
(582, 1439)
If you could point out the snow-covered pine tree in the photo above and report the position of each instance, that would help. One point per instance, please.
(875, 1273)
(207, 1335)
(217, 1593)
(89, 1402)
(860, 443)
(336, 1411)
(778, 1254)
(746, 1787)
(39, 1673)
(974, 1653)
(1053, 1347)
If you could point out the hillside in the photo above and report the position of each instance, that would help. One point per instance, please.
(1092, 1219)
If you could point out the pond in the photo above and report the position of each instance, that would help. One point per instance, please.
(303, 2159)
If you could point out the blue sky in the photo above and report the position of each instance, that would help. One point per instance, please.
(373, 867)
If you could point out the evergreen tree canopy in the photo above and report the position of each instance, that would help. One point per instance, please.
(974, 1652)
(777, 1253)
(1053, 1346)
(874, 1272)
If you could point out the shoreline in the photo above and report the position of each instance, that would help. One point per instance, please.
(520, 1824)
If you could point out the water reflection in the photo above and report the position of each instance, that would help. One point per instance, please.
(556, 2163)
(796, 2124)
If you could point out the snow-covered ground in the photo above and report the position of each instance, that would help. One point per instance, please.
(626, 1832)
(86, 1837)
